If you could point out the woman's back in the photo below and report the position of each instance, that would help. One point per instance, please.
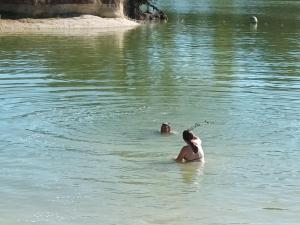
(189, 155)
(193, 151)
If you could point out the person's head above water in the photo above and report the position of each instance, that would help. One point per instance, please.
(165, 128)
(188, 136)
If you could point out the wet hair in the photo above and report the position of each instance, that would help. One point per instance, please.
(188, 136)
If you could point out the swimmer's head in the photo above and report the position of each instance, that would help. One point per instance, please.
(188, 136)
(165, 128)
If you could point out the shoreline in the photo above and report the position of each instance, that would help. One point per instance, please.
(65, 24)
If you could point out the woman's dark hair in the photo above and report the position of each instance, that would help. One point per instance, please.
(188, 136)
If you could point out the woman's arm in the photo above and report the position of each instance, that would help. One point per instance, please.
(196, 140)
(181, 155)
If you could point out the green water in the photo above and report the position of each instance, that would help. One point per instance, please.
(80, 114)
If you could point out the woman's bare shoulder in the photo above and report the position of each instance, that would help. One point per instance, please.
(184, 148)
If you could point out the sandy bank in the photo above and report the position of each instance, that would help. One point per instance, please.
(80, 22)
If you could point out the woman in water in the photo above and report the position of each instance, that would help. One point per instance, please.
(192, 152)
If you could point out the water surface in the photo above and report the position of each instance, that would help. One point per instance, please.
(80, 114)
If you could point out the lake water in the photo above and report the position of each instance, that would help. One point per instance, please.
(80, 114)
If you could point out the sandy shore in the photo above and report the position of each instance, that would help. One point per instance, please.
(65, 24)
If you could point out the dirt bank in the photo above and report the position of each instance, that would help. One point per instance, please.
(71, 23)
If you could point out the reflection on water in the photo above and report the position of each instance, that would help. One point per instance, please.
(192, 171)
(80, 114)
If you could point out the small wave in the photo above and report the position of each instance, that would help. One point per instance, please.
(274, 208)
